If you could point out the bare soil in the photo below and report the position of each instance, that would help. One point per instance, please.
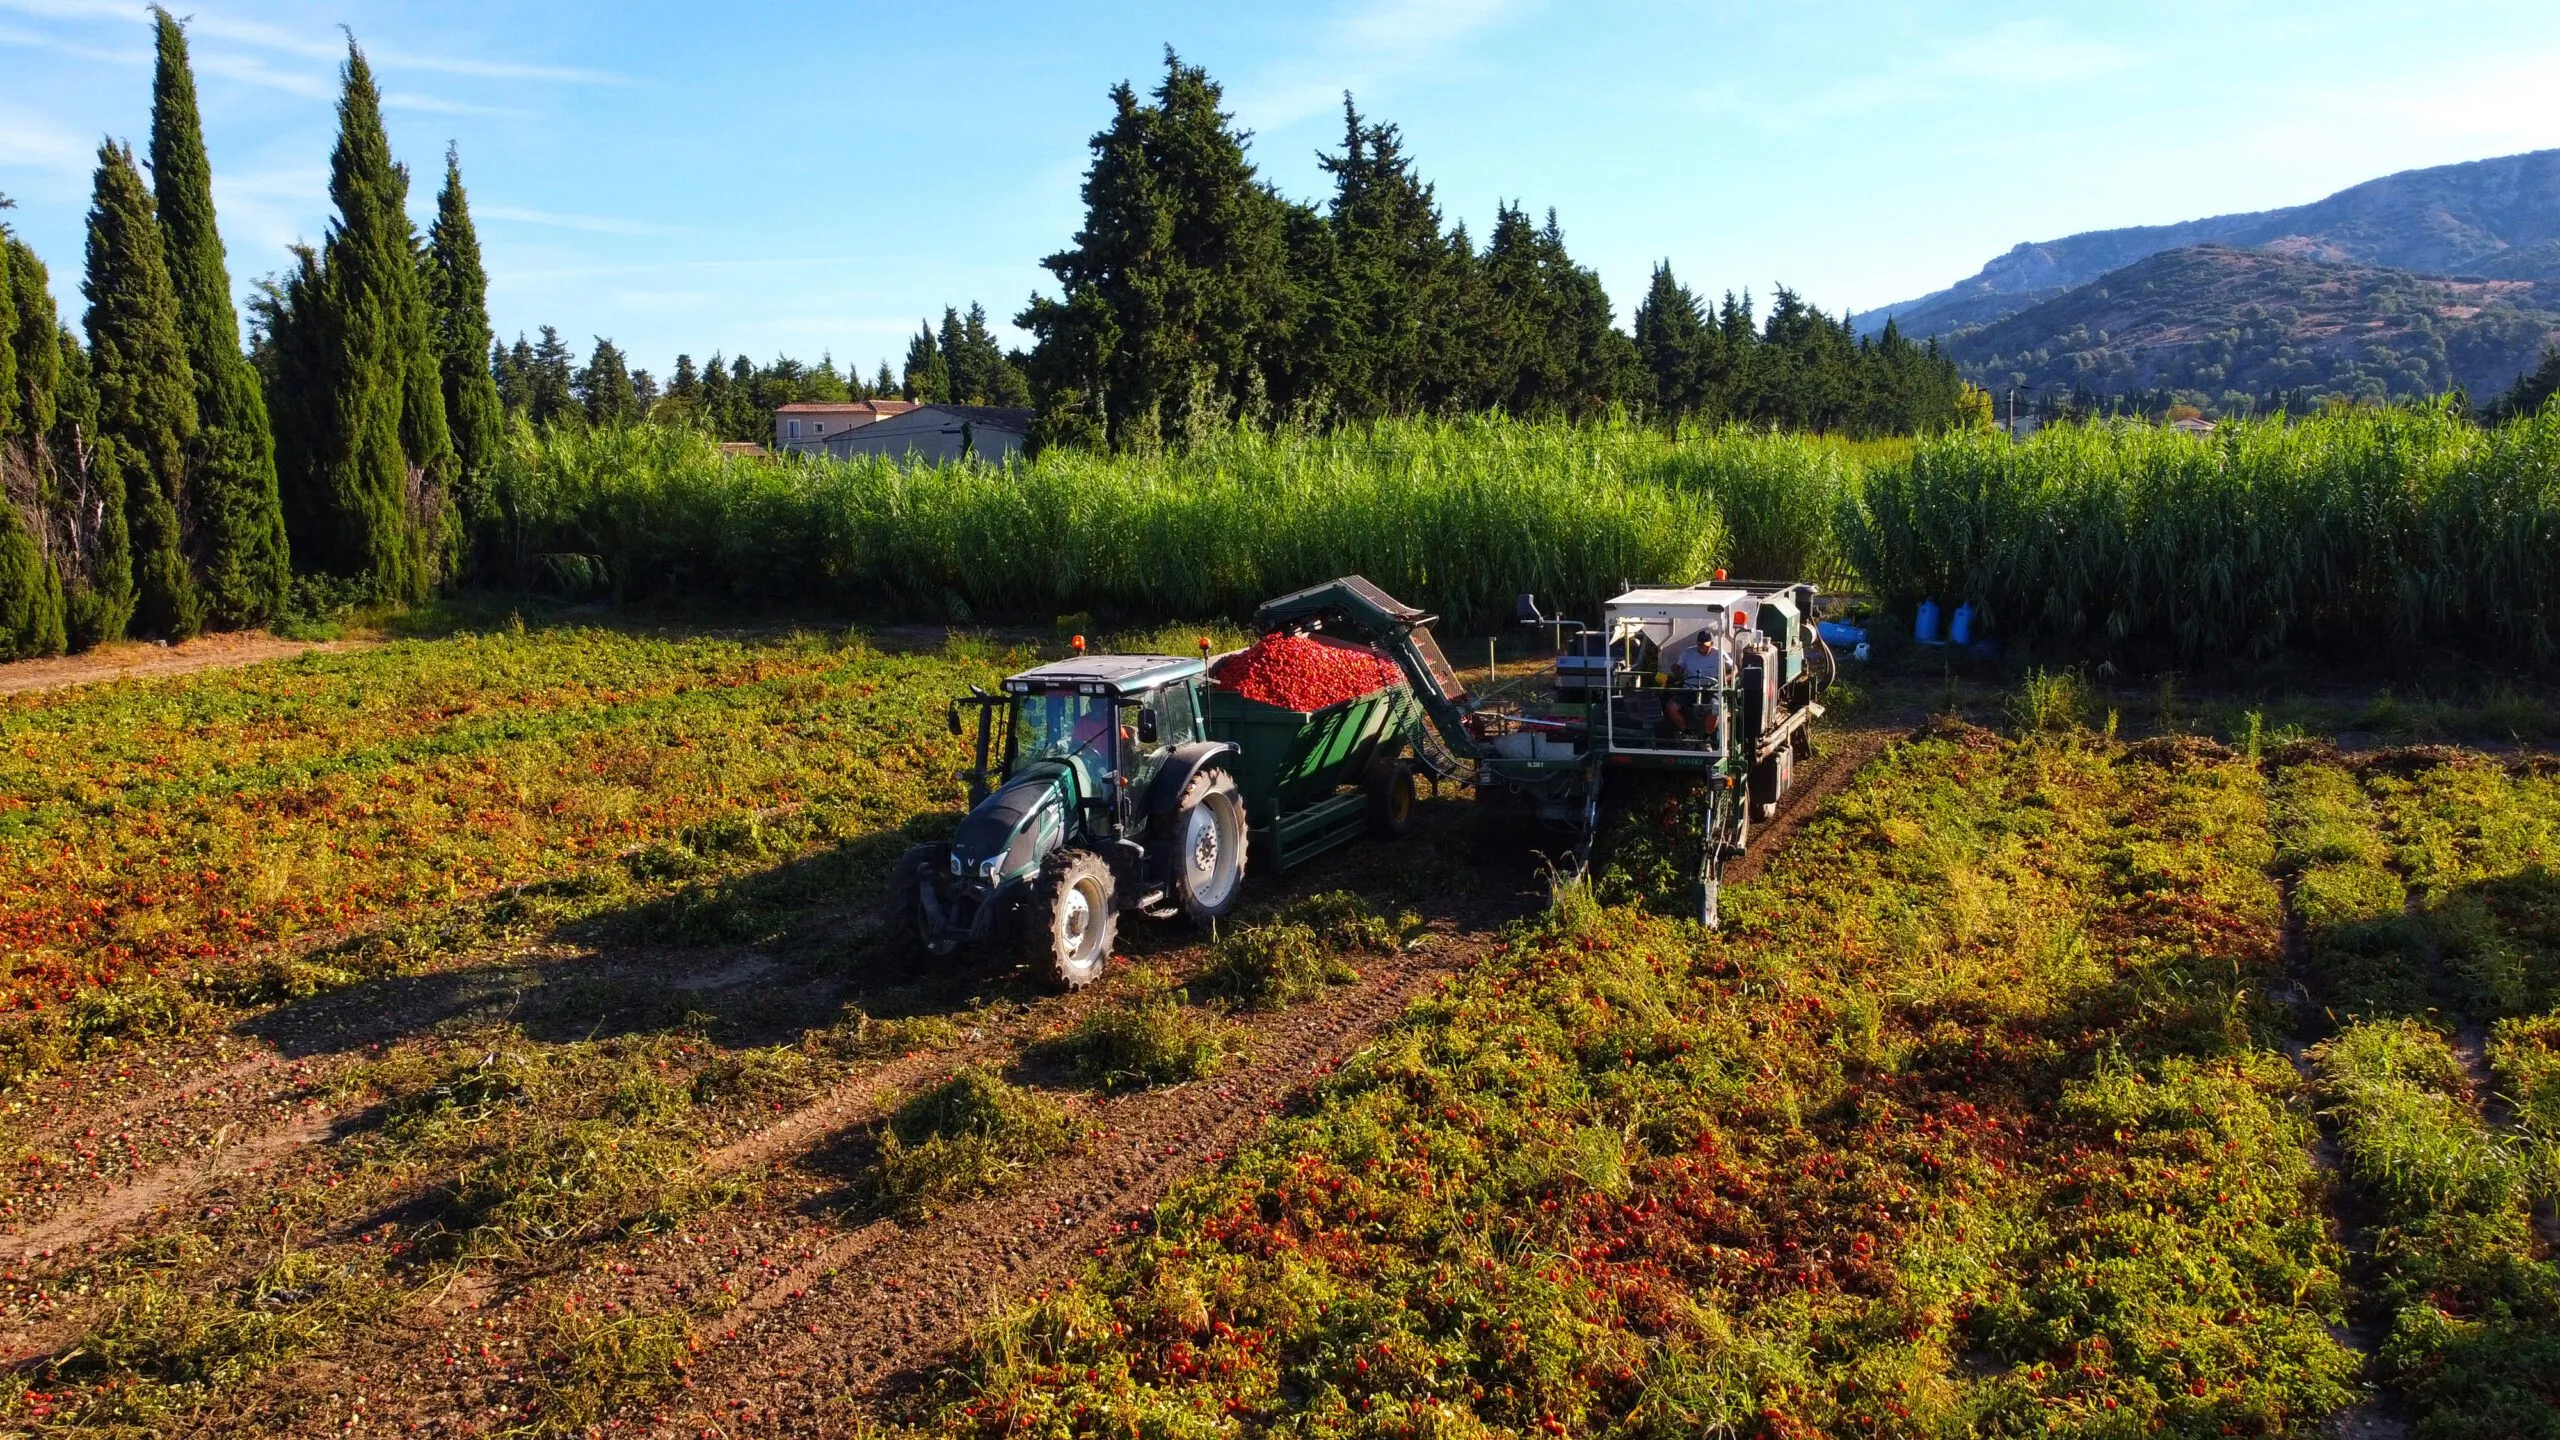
(140, 659)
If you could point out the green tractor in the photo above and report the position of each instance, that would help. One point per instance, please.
(1111, 783)
(1097, 790)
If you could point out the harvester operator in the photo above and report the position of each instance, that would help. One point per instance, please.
(1697, 705)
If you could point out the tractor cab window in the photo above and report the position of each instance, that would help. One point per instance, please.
(1177, 717)
(1060, 724)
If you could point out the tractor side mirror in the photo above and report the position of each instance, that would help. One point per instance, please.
(1147, 725)
(951, 717)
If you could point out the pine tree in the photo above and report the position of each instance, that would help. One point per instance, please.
(146, 389)
(883, 385)
(1178, 292)
(552, 390)
(1387, 312)
(458, 294)
(375, 495)
(233, 511)
(604, 387)
(1678, 348)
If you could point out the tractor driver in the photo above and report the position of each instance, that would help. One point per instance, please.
(1701, 669)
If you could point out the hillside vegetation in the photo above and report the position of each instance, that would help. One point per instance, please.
(2250, 328)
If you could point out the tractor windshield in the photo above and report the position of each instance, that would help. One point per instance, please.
(1059, 724)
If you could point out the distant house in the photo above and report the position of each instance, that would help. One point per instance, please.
(807, 425)
(934, 434)
(2192, 426)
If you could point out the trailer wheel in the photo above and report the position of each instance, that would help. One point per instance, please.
(1392, 795)
(902, 919)
(1210, 838)
(1069, 919)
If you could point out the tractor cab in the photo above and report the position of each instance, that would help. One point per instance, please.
(1096, 790)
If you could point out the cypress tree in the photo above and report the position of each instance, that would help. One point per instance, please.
(234, 513)
(30, 588)
(145, 387)
(91, 472)
(376, 496)
(458, 289)
(9, 422)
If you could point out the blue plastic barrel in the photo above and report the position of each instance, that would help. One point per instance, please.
(1960, 627)
(1925, 628)
(1840, 633)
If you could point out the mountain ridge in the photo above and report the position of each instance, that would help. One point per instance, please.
(2237, 328)
(2492, 219)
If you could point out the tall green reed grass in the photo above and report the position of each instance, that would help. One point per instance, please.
(2354, 528)
(1456, 516)
(2348, 529)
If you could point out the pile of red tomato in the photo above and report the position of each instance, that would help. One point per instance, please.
(1297, 673)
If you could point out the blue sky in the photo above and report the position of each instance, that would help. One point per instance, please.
(813, 178)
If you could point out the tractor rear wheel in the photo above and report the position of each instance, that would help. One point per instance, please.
(1209, 842)
(1069, 919)
(903, 929)
(1392, 795)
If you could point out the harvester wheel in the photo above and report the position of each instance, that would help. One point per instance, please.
(1069, 919)
(1209, 838)
(902, 919)
(1392, 794)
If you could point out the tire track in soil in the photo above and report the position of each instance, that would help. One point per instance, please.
(824, 1328)
(430, 1350)
(77, 1235)
(2365, 1419)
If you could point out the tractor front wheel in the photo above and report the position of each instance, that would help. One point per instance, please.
(1069, 919)
(904, 931)
(1209, 837)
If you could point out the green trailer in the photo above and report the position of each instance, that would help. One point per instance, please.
(1296, 766)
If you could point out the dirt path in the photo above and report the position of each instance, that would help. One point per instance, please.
(135, 659)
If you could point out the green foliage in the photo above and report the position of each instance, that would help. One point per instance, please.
(1154, 1038)
(233, 510)
(145, 386)
(1296, 953)
(971, 1135)
(31, 620)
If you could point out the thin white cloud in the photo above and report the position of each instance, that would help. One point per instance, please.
(2486, 104)
(313, 45)
(103, 54)
(36, 143)
(438, 105)
(595, 224)
(1361, 48)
